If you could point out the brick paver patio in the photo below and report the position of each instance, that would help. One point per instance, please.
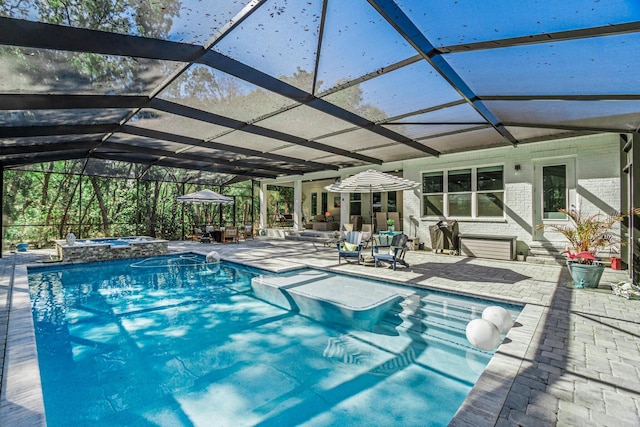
(572, 359)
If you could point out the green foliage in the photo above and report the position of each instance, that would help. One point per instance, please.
(42, 206)
(587, 233)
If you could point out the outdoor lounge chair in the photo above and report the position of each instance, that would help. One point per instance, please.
(395, 216)
(230, 235)
(346, 228)
(396, 251)
(350, 247)
(208, 235)
(356, 221)
(381, 221)
(367, 235)
(246, 232)
(197, 234)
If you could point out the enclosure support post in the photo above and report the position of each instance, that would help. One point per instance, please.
(182, 211)
(297, 205)
(634, 175)
(252, 206)
(138, 207)
(263, 205)
(234, 211)
(1, 209)
(80, 208)
(630, 201)
(220, 210)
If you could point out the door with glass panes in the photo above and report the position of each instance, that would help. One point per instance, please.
(554, 188)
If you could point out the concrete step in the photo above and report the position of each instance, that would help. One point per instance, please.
(547, 259)
(275, 232)
(547, 253)
(547, 247)
(553, 253)
(323, 237)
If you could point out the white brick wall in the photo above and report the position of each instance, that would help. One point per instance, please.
(597, 189)
(597, 181)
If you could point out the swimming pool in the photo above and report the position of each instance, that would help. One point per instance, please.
(176, 341)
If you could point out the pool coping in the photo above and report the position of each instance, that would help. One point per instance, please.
(22, 402)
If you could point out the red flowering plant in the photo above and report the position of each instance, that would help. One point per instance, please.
(587, 234)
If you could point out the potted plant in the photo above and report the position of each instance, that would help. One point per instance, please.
(586, 234)
(390, 223)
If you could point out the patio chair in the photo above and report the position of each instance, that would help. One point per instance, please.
(346, 228)
(396, 252)
(246, 232)
(381, 221)
(356, 221)
(230, 235)
(350, 247)
(197, 234)
(367, 235)
(207, 236)
(395, 216)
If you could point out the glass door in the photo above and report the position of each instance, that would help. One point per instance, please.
(554, 188)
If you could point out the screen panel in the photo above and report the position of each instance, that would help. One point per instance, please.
(411, 88)
(556, 68)
(459, 22)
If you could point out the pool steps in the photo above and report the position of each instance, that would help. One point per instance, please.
(431, 320)
(370, 305)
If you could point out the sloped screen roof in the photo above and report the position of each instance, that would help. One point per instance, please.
(271, 88)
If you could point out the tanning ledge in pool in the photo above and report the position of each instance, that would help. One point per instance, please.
(327, 298)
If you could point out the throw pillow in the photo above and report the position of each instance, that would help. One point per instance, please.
(350, 247)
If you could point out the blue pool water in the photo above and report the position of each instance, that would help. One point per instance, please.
(113, 241)
(173, 341)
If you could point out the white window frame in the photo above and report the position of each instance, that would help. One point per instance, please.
(474, 193)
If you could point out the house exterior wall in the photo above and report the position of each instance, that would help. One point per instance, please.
(597, 189)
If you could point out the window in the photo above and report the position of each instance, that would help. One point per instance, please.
(392, 201)
(459, 192)
(490, 191)
(325, 202)
(377, 202)
(471, 192)
(355, 204)
(554, 191)
(314, 203)
(433, 199)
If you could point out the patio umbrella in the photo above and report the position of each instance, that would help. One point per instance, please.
(206, 196)
(371, 181)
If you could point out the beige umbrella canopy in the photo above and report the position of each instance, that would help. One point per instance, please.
(206, 196)
(371, 181)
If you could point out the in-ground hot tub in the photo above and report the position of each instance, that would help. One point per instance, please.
(110, 248)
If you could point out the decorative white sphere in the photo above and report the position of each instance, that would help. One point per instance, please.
(71, 239)
(483, 334)
(499, 317)
(213, 256)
